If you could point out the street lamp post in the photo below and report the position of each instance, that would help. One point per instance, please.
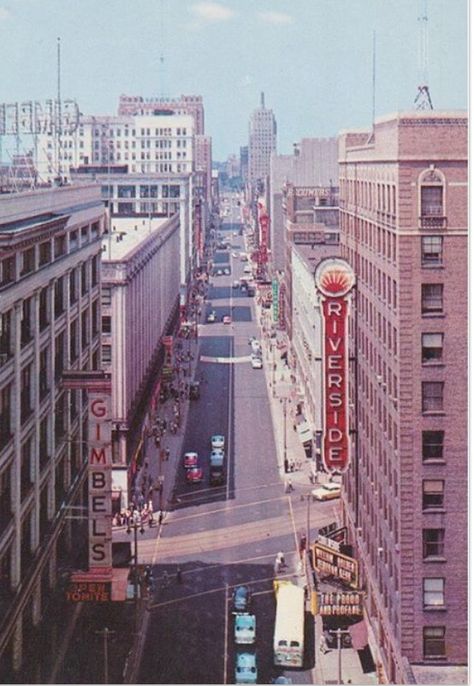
(136, 526)
(339, 633)
(285, 446)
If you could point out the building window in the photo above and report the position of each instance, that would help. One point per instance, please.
(431, 251)
(59, 246)
(84, 280)
(106, 354)
(7, 271)
(434, 642)
(43, 309)
(433, 494)
(432, 396)
(431, 347)
(25, 394)
(26, 327)
(28, 261)
(433, 543)
(5, 336)
(5, 415)
(432, 298)
(44, 442)
(43, 375)
(58, 297)
(433, 443)
(106, 296)
(72, 288)
(106, 325)
(26, 467)
(431, 201)
(59, 356)
(45, 253)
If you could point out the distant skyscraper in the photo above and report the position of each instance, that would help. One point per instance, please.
(262, 142)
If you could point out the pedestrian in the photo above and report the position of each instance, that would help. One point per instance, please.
(160, 517)
(179, 575)
(289, 486)
(167, 454)
(166, 580)
(323, 645)
(287, 465)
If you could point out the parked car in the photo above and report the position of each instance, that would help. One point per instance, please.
(235, 284)
(241, 599)
(244, 628)
(212, 316)
(256, 362)
(247, 269)
(245, 668)
(227, 319)
(218, 441)
(190, 460)
(194, 475)
(326, 492)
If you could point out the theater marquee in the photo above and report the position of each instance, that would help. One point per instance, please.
(334, 279)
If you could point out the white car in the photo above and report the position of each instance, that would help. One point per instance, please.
(327, 491)
(217, 441)
(256, 362)
(247, 269)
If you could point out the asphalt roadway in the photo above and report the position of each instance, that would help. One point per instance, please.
(224, 536)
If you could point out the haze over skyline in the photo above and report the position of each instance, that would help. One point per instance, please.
(312, 58)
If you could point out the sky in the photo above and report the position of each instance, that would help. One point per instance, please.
(312, 58)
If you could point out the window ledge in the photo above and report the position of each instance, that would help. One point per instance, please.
(432, 266)
(437, 315)
(433, 413)
(435, 608)
(434, 460)
(435, 558)
(434, 510)
(432, 363)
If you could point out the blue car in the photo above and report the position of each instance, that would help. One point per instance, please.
(245, 668)
(241, 599)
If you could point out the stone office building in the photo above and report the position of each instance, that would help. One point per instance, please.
(50, 245)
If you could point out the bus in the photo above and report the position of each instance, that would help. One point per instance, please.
(288, 639)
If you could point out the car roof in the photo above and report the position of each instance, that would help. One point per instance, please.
(217, 436)
(245, 620)
(190, 454)
(331, 486)
(246, 660)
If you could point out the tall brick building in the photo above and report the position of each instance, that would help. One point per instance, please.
(403, 205)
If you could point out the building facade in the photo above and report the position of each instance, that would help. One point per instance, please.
(192, 105)
(140, 294)
(313, 163)
(403, 205)
(262, 142)
(50, 255)
(161, 143)
(312, 218)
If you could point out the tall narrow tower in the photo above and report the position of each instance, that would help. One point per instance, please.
(423, 98)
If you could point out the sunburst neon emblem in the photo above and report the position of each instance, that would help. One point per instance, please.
(334, 277)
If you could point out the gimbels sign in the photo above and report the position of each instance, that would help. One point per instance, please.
(334, 280)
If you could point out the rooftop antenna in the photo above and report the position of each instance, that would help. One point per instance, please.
(262, 100)
(423, 97)
(162, 56)
(58, 111)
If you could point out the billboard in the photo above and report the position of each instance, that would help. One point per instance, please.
(334, 279)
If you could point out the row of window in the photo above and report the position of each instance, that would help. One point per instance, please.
(34, 258)
(172, 191)
(164, 131)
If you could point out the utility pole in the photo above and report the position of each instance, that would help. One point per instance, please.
(105, 633)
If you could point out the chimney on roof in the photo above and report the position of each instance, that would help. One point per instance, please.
(262, 100)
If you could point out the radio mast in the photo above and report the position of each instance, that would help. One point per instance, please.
(423, 98)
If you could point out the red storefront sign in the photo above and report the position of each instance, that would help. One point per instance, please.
(334, 279)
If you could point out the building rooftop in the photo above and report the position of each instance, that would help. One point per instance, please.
(448, 675)
(313, 254)
(127, 236)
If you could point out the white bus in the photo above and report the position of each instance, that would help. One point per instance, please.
(288, 639)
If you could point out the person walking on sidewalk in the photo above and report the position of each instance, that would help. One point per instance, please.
(289, 486)
(323, 647)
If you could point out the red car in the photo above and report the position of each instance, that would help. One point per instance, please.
(194, 475)
(190, 460)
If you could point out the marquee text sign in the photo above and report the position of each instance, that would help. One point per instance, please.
(334, 280)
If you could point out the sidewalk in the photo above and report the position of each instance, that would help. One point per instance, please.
(280, 385)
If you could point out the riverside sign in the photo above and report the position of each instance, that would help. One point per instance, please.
(334, 280)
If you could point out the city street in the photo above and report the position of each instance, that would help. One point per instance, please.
(223, 536)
